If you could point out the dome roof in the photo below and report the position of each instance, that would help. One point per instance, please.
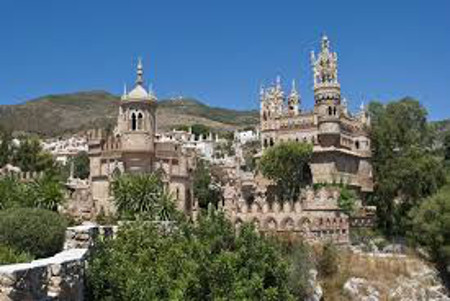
(139, 92)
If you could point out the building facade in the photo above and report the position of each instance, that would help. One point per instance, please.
(132, 148)
(341, 143)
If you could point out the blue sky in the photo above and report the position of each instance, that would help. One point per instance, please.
(222, 51)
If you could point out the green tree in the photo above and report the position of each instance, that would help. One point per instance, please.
(205, 190)
(347, 200)
(405, 168)
(446, 145)
(203, 261)
(81, 166)
(287, 164)
(431, 225)
(29, 156)
(6, 147)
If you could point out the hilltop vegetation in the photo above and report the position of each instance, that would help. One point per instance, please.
(56, 115)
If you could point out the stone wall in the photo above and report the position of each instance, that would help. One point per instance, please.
(60, 277)
(315, 216)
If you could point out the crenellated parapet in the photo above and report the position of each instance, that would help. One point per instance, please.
(314, 216)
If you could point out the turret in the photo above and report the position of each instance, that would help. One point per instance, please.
(136, 120)
(327, 90)
(327, 94)
(293, 101)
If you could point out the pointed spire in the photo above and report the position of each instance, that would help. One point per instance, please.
(124, 90)
(140, 72)
(294, 88)
(262, 93)
(325, 42)
(278, 82)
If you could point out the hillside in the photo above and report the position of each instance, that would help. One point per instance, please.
(68, 113)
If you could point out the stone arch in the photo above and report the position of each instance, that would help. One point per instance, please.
(271, 224)
(140, 121)
(288, 224)
(133, 121)
(257, 223)
(304, 225)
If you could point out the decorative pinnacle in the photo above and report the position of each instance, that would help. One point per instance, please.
(325, 42)
(125, 89)
(278, 82)
(140, 72)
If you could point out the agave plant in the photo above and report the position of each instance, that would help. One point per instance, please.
(142, 194)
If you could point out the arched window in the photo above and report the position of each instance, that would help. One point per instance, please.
(133, 121)
(357, 144)
(271, 141)
(334, 111)
(140, 121)
(265, 142)
(330, 111)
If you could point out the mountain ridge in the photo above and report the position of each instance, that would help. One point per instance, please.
(69, 113)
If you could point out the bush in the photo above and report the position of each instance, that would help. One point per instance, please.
(328, 262)
(203, 261)
(10, 255)
(37, 231)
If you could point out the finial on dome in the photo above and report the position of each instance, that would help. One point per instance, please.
(278, 82)
(125, 89)
(362, 106)
(325, 42)
(294, 88)
(140, 72)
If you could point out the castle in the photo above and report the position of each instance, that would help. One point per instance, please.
(341, 155)
(341, 143)
(132, 147)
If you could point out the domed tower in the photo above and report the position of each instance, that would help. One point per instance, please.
(136, 124)
(327, 93)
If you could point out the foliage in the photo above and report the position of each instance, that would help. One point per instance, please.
(347, 200)
(203, 261)
(205, 190)
(329, 260)
(431, 225)
(299, 258)
(29, 156)
(446, 146)
(249, 150)
(80, 165)
(37, 231)
(45, 192)
(405, 169)
(10, 255)
(6, 149)
(12, 193)
(287, 165)
(142, 194)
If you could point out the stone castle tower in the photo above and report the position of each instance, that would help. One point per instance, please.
(341, 142)
(132, 148)
(136, 124)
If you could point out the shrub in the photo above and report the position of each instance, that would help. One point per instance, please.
(328, 262)
(203, 261)
(10, 255)
(37, 231)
